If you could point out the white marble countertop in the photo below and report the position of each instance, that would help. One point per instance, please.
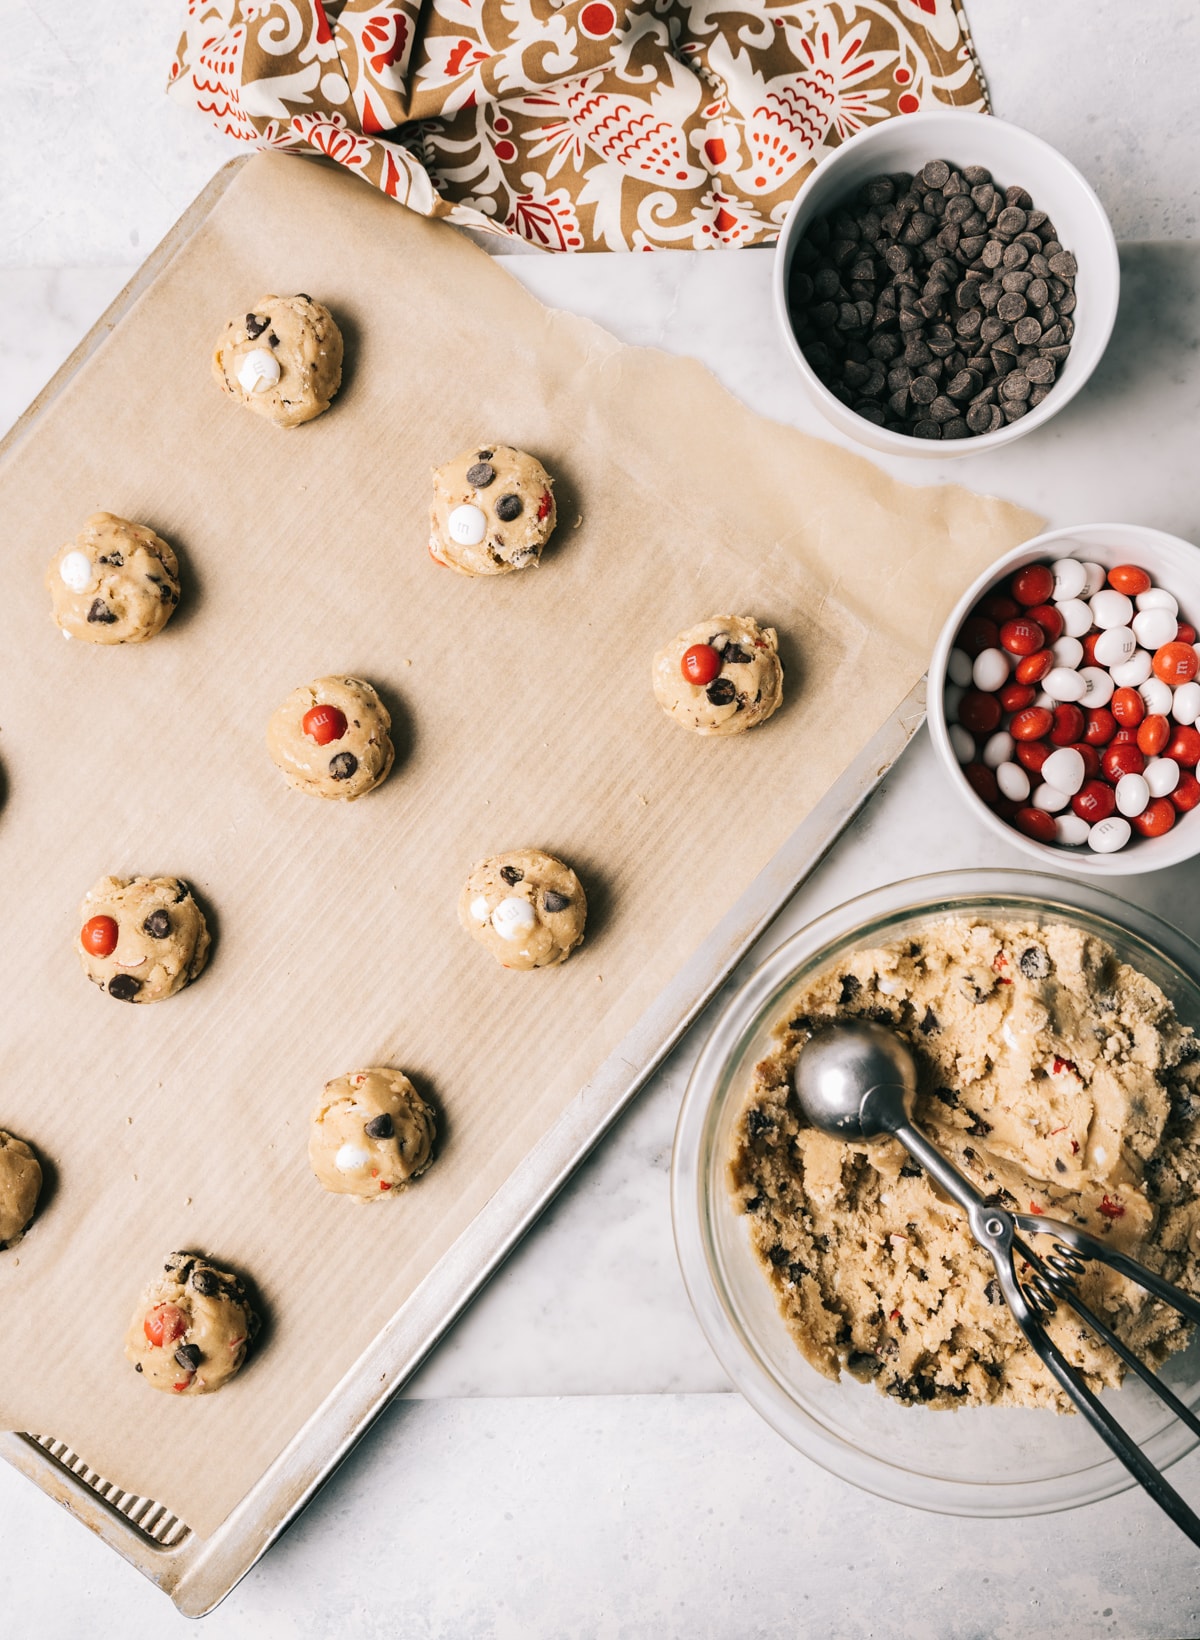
(571, 1460)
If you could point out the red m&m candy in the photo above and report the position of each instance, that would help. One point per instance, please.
(323, 724)
(99, 936)
(1155, 819)
(1094, 801)
(1022, 636)
(1185, 748)
(1176, 663)
(1129, 579)
(1033, 585)
(700, 664)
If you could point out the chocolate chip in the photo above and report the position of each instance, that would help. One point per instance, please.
(343, 765)
(935, 174)
(189, 1356)
(273, 340)
(255, 326)
(1034, 962)
(303, 296)
(100, 612)
(978, 1129)
(183, 891)
(512, 874)
(851, 986)
(758, 1123)
(484, 455)
(553, 901)
(481, 475)
(721, 691)
(124, 987)
(1060, 1165)
(379, 1127)
(929, 1023)
(508, 507)
(157, 925)
(113, 558)
(735, 655)
(992, 1292)
(778, 1254)
(206, 1282)
(947, 1096)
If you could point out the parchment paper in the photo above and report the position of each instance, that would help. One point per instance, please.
(524, 716)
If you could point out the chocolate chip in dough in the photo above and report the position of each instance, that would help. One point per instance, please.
(100, 612)
(343, 765)
(1033, 962)
(508, 507)
(255, 326)
(157, 925)
(721, 691)
(735, 655)
(137, 1366)
(379, 1127)
(124, 987)
(189, 1356)
(851, 986)
(512, 874)
(481, 475)
(206, 1283)
(553, 901)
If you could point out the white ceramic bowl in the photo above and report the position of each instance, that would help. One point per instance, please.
(1171, 563)
(1015, 158)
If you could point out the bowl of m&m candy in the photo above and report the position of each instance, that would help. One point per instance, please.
(1064, 698)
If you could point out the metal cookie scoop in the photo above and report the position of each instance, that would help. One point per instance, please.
(857, 1080)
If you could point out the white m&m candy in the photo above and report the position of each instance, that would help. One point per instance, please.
(1077, 617)
(467, 525)
(1154, 627)
(999, 749)
(258, 371)
(350, 1158)
(76, 571)
(1013, 781)
(1157, 696)
(1064, 684)
(962, 742)
(1185, 707)
(513, 918)
(1064, 770)
(1133, 671)
(1107, 836)
(1157, 598)
(959, 668)
(1050, 798)
(1161, 775)
(1096, 577)
(1070, 579)
(1116, 645)
(1100, 686)
(1067, 652)
(990, 671)
(1070, 829)
(1133, 794)
(1111, 608)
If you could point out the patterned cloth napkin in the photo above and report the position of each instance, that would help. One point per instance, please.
(589, 125)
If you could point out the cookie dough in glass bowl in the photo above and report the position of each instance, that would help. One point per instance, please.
(985, 1460)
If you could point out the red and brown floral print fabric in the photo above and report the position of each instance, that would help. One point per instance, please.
(590, 125)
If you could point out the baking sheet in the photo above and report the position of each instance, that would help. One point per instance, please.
(525, 717)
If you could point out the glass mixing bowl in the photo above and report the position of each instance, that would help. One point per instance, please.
(986, 1461)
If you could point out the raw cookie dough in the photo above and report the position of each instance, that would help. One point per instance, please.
(141, 938)
(283, 359)
(20, 1185)
(493, 511)
(527, 907)
(746, 690)
(371, 1134)
(346, 748)
(1057, 1078)
(117, 582)
(192, 1327)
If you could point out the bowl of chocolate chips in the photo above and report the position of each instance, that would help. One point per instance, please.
(945, 283)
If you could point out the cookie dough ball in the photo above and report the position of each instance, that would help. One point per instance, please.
(371, 1135)
(283, 359)
(117, 582)
(493, 511)
(528, 908)
(331, 738)
(141, 938)
(20, 1186)
(192, 1327)
(721, 676)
